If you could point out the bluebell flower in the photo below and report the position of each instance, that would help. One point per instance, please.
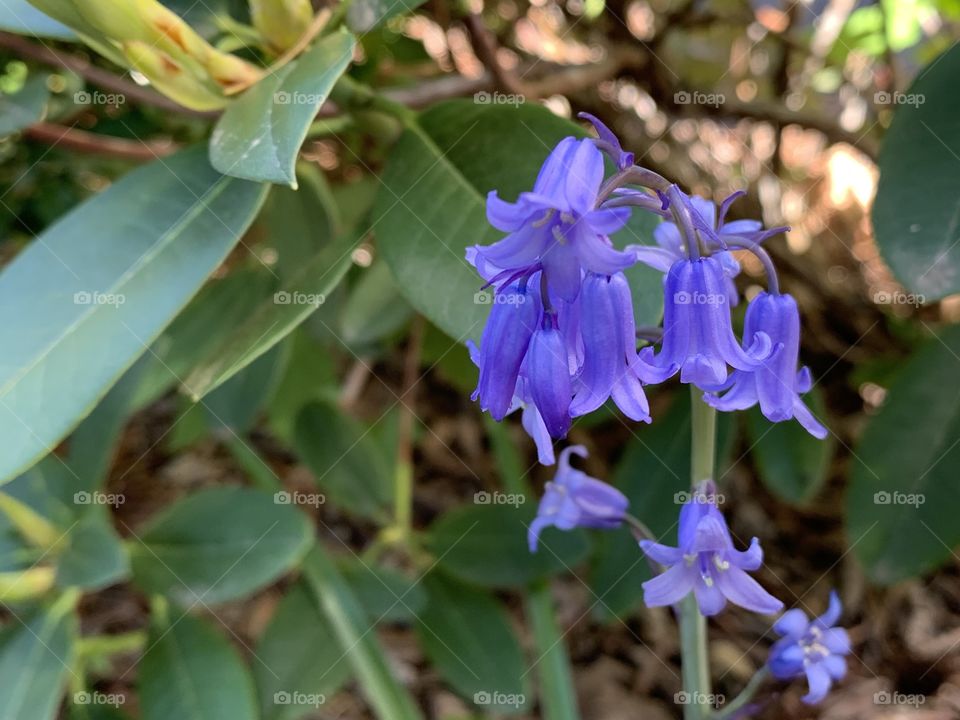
(609, 143)
(574, 499)
(698, 337)
(776, 384)
(707, 564)
(814, 648)
(514, 317)
(548, 376)
(610, 362)
(556, 228)
(670, 245)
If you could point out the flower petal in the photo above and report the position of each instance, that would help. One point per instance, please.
(663, 554)
(533, 424)
(741, 589)
(549, 380)
(669, 587)
(819, 681)
(792, 624)
(709, 597)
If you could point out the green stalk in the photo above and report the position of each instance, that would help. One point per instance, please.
(693, 625)
(745, 696)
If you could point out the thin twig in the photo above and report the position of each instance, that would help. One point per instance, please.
(485, 46)
(95, 144)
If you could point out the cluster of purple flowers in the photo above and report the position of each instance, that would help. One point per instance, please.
(561, 338)
(561, 341)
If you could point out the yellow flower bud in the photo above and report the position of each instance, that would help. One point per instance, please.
(281, 22)
(172, 78)
(233, 74)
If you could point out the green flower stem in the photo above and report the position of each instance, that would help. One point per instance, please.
(693, 625)
(745, 696)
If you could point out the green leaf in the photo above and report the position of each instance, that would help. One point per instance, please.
(364, 15)
(271, 321)
(217, 545)
(916, 214)
(374, 309)
(234, 407)
(388, 699)
(35, 657)
(26, 106)
(299, 658)
(260, 134)
(791, 462)
(466, 634)
(19, 16)
(487, 545)
(98, 286)
(386, 595)
(904, 500)
(94, 556)
(310, 375)
(345, 460)
(431, 206)
(191, 672)
(654, 474)
(222, 305)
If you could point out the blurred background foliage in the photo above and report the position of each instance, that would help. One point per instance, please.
(284, 500)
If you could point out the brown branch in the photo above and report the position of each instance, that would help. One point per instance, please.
(485, 46)
(97, 75)
(95, 144)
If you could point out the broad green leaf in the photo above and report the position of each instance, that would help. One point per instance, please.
(68, 15)
(299, 223)
(387, 595)
(388, 699)
(654, 474)
(234, 407)
(299, 658)
(24, 107)
(261, 132)
(374, 309)
(431, 206)
(272, 320)
(364, 15)
(87, 298)
(487, 545)
(215, 313)
(916, 214)
(345, 460)
(218, 544)
(466, 634)
(310, 374)
(19, 16)
(904, 499)
(191, 672)
(35, 657)
(790, 461)
(94, 556)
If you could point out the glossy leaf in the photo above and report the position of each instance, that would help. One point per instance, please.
(374, 309)
(487, 545)
(35, 657)
(261, 132)
(218, 544)
(387, 595)
(191, 672)
(915, 214)
(24, 107)
(19, 16)
(388, 699)
(93, 557)
(97, 288)
(346, 462)
(299, 658)
(466, 634)
(272, 320)
(903, 501)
